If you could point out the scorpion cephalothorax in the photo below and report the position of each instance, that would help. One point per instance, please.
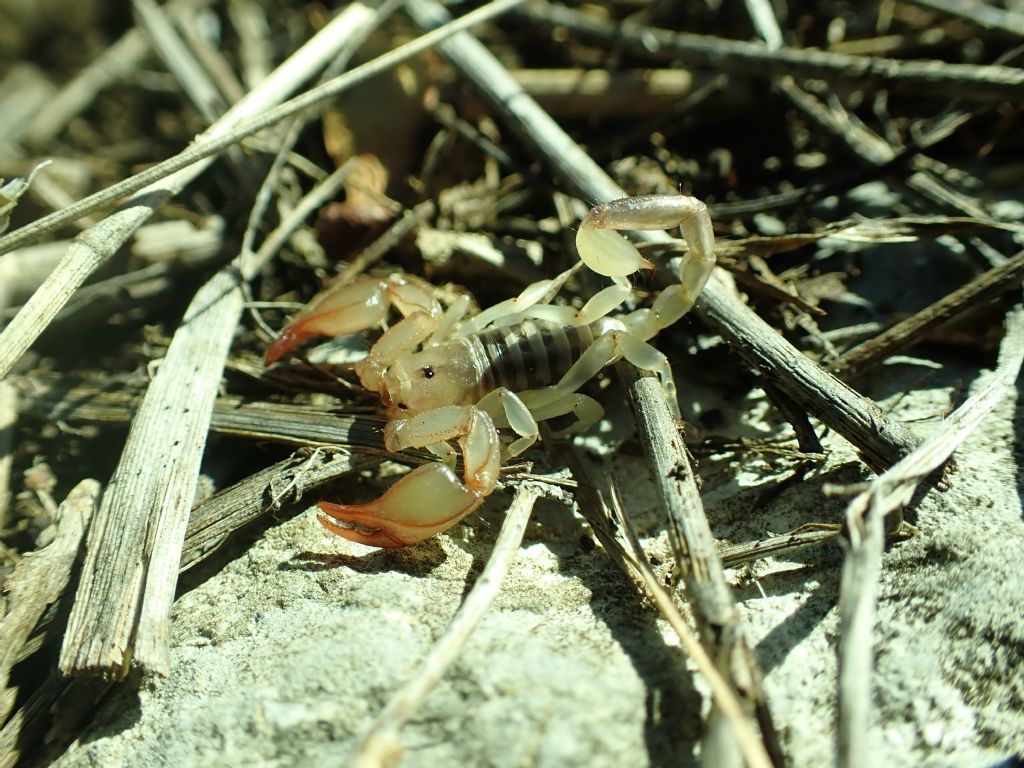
(510, 366)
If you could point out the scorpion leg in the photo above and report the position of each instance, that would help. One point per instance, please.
(451, 317)
(354, 307)
(606, 349)
(431, 498)
(507, 409)
(516, 310)
(522, 411)
(586, 410)
(531, 302)
(400, 339)
(599, 305)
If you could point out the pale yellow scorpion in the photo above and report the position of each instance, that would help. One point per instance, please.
(510, 366)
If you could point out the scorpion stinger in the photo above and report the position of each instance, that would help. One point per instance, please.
(521, 361)
(608, 253)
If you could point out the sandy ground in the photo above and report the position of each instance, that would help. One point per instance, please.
(285, 656)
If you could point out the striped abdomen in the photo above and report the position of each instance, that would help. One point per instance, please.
(528, 355)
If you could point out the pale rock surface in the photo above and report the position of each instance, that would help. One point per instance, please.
(284, 656)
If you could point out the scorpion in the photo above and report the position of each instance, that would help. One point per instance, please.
(444, 378)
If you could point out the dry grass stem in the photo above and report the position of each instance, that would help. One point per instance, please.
(974, 295)
(290, 424)
(805, 537)
(191, 77)
(980, 14)
(8, 420)
(722, 691)
(216, 518)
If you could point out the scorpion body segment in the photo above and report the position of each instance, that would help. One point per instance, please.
(462, 371)
(514, 364)
(530, 354)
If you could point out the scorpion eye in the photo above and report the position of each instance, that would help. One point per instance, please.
(403, 406)
(428, 372)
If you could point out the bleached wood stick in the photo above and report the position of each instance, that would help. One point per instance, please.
(178, 59)
(123, 602)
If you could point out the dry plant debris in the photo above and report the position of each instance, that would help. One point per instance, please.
(176, 183)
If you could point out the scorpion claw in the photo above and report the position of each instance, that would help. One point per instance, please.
(425, 502)
(337, 311)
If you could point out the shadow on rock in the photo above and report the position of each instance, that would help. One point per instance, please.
(795, 628)
(420, 560)
(673, 723)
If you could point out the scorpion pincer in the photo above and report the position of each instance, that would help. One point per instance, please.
(446, 378)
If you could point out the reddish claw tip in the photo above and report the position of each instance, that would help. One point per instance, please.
(372, 537)
(313, 326)
(289, 339)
